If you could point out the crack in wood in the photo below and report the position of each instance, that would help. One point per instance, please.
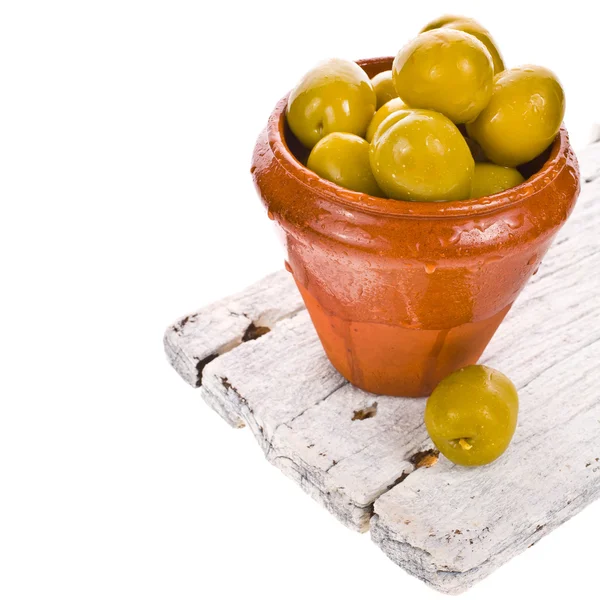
(200, 367)
(365, 413)
(194, 340)
(426, 458)
(253, 332)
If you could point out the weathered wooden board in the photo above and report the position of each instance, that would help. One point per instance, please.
(368, 458)
(196, 339)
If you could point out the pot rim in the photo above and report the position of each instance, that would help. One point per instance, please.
(559, 154)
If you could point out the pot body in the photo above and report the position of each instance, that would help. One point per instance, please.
(402, 294)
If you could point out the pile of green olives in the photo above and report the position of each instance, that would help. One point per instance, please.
(447, 123)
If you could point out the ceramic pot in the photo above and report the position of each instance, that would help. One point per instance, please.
(403, 293)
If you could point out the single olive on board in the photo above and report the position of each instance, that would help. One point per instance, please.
(445, 70)
(422, 157)
(343, 158)
(392, 106)
(383, 84)
(471, 415)
(523, 116)
(491, 179)
(472, 27)
(337, 95)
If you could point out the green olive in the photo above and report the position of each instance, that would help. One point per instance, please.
(489, 179)
(388, 122)
(441, 21)
(423, 157)
(383, 84)
(523, 116)
(482, 34)
(344, 159)
(471, 415)
(392, 106)
(445, 70)
(337, 95)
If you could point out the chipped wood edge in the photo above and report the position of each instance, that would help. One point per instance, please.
(195, 340)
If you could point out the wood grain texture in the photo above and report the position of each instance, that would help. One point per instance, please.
(368, 458)
(194, 340)
(301, 411)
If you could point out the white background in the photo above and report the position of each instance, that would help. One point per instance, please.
(126, 130)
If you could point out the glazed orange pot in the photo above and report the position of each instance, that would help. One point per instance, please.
(403, 293)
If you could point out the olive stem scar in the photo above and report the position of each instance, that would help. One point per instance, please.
(464, 444)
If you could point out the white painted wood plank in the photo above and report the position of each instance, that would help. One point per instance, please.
(312, 425)
(266, 381)
(301, 411)
(194, 340)
(452, 526)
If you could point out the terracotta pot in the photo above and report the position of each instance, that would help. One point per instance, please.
(403, 293)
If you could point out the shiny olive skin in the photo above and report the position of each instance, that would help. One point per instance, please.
(441, 21)
(383, 84)
(483, 35)
(422, 157)
(389, 121)
(471, 415)
(523, 116)
(489, 179)
(390, 107)
(343, 158)
(447, 71)
(337, 95)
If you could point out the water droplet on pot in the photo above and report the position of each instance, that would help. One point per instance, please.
(430, 268)
(493, 258)
(286, 264)
(514, 221)
(270, 215)
(252, 169)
